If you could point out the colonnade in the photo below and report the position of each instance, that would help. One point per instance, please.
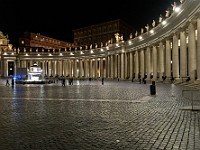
(176, 55)
(77, 68)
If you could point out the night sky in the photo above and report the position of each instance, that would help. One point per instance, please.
(58, 18)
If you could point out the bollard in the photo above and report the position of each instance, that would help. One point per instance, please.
(153, 88)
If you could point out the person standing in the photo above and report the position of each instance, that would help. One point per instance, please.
(63, 82)
(72, 81)
(102, 80)
(13, 82)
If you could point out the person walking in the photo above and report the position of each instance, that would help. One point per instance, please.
(7, 82)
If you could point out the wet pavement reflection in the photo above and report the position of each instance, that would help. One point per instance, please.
(90, 116)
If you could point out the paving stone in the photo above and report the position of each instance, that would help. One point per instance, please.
(90, 116)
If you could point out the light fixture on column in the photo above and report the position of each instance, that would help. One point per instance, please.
(164, 22)
(177, 9)
(152, 31)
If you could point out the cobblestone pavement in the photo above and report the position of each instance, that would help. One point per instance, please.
(90, 116)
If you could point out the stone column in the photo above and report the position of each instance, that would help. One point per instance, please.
(64, 68)
(44, 67)
(96, 68)
(118, 66)
(108, 66)
(2, 66)
(122, 65)
(55, 67)
(61, 67)
(192, 52)
(67, 67)
(80, 68)
(111, 67)
(154, 63)
(198, 49)
(115, 65)
(21, 63)
(31, 62)
(183, 55)
(125, 65)
(168, 59)
(58, 67)
(5, 70)
(175, 57)
(131, 65)
(70, 68)
(142, 63)
(101, 68)
(148, 62)
(136, 67)
(91, 69)
(86, 69)
(75, 68)
(50, 68)
(161, 60)
(25, 64)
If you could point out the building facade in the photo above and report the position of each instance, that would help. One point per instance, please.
(40, 41)
(5, 47)
(102, 33)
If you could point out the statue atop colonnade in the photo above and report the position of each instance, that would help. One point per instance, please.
(117, 37)
(181, 1)
(173, 6)
(147, 27)
(160, 18)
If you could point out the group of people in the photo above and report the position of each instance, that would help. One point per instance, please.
(70, 81)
